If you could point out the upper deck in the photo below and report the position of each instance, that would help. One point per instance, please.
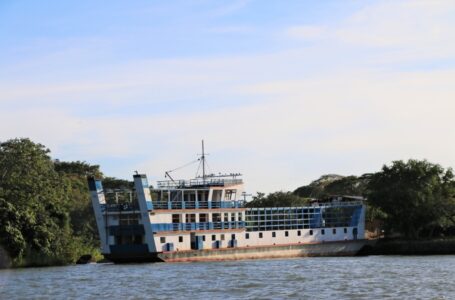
(198, 183)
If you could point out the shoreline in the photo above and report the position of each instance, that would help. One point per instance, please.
(409, 247)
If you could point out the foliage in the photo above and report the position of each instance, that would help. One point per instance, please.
(329, 185)
(277, 199)
(416, 196)
(46, 217)
(115, 183)
(79, 205)
(79, 168)
(316, 188)
(34, 223)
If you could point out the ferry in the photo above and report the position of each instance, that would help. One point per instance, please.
(205, 219)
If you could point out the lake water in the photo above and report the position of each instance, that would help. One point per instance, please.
(373, 277)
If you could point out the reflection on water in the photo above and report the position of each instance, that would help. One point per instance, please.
(395, 277)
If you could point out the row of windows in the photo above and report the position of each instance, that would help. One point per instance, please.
(222, 237)
(269, 227)
(203, 217)
(247, 235)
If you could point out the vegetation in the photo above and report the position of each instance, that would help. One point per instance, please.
(416, 196)
(34, 219)
(46, 216)
(277, 199)
(329, 185)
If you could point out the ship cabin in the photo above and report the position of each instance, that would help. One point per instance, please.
(202, 213)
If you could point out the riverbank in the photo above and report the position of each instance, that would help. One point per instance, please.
(409, 247)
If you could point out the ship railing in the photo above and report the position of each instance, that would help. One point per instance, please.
(119, 207)
(197, 226)
(197, 204)
(338, 203)
(198, 182)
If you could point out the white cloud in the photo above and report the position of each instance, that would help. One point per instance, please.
(309, 32)
(401, 24)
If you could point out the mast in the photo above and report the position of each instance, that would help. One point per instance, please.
(203, 162)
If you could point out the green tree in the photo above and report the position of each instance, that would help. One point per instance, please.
(82, 219)
(416, 196)
(316, 189)
(112, 183)
(330, 185)
(34, 223)
(277, 199)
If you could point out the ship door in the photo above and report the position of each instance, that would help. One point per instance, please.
(193, 240)
(354, 233)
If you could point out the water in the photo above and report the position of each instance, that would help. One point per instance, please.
(373, 277)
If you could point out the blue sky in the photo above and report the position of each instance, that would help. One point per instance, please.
(282, 91)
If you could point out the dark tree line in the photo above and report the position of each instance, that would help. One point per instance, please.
(46, 217)
(411, 199)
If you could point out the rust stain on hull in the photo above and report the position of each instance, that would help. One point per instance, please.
(266, 252)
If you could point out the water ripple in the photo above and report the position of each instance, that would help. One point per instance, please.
(388, 277)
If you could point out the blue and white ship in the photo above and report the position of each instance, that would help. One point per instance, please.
(206, 219)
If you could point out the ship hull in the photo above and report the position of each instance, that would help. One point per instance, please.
(341, 248)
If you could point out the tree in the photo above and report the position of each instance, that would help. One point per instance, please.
(277, 199)
(415, 196)
(34, 223)
(316, 189)
(82, 218)
(330, 185)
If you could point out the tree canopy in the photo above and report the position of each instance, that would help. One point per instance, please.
(277, 199)
(329, 185)
(34, 222)
(416, 196)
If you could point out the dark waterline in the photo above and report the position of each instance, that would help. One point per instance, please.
(372, 277)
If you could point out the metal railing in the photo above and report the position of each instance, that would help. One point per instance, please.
(119, 207)
(197, 226)
(338, 203)
(199, 182)
(197, 204)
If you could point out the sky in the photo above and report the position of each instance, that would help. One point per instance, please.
(281, 91)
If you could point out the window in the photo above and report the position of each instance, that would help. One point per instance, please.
(213, 237)
(175, 218)
(299, 233)
(233, 237)
(129, 219)
(222, 237)
(247, 236)
(322, 231)
(274, 234)
(334, 231)
(232, 217)
(240, 216)
(260, 235)
(203, 218)
(311, 232)
(190, 218)
(203, 238)
(345, 230)
(216, 217)
(162, 240)
(180, 239)
(286, 233)
(226, 217)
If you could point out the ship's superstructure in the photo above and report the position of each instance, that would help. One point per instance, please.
(205, 218)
